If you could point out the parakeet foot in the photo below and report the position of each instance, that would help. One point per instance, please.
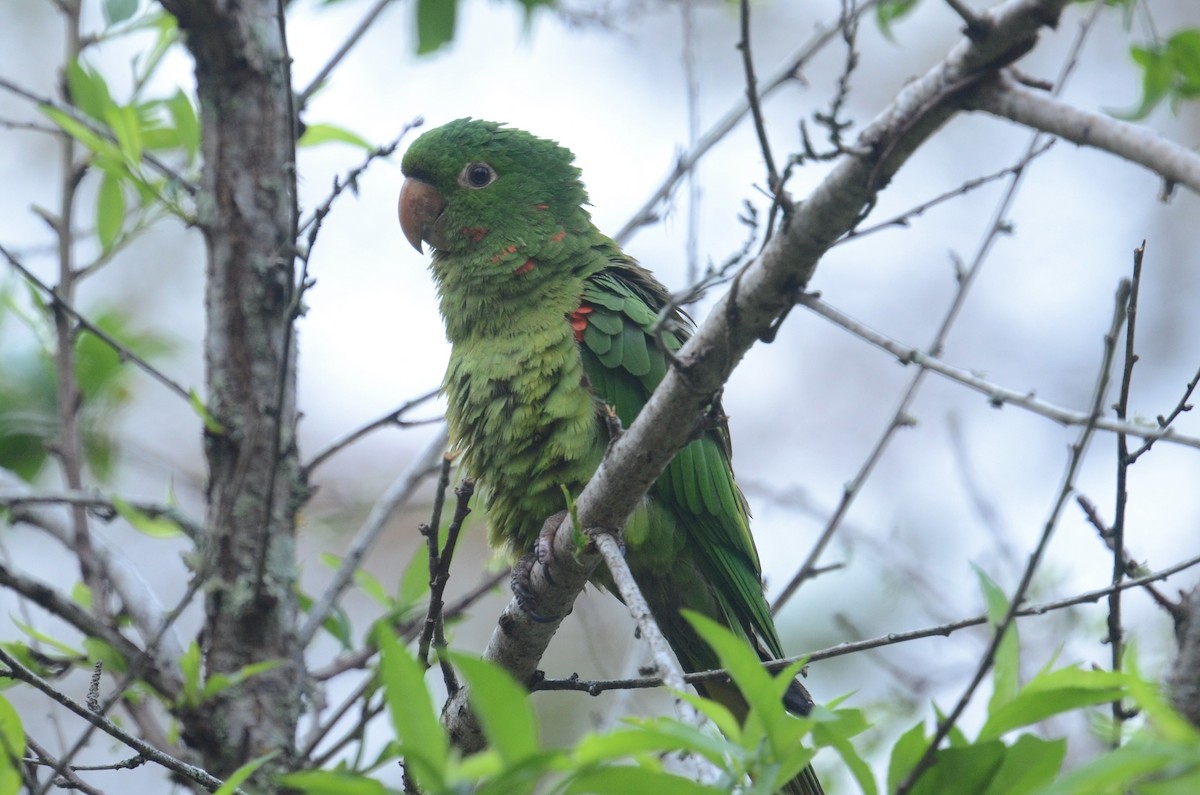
(543, 552)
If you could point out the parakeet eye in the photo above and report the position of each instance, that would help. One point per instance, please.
(476, 175)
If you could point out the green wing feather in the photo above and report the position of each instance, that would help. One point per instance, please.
(696, 496)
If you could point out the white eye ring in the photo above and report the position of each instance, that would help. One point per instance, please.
(476, 176)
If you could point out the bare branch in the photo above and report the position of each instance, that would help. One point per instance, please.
(123, 352)
(596, 687)
(1116, 633)
(997, 395)
(355, 36)
(192, 773)
(399, 493)
(1004, 97)
(1163, 422)
(50, 600)
(786, 73)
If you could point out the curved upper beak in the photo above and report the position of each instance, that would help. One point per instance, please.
(420, 207)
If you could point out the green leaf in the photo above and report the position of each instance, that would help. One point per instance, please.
(106, 653)
(762, 691)
(316, 134)
(414, 582)
(1030, 764)
(119, 10)
(1170, 71)
(153, 526)
(239, 776)
(189, 666)
(624, 779)
(187, 126)
(42, 637)
(328, 782)
(1114, 772)
(337, 623)
(905, 753)
(1006, 677)
(1183, 51)
(502, 706)
(88, 90)
(889, 11)
(218, 683)
(1053, 693)
(12, 737)
(836, 734)
(414, 719)
(81, 132)
(669, 734)
(719, 714)
(110, 211)
(210, 422)
(127, 128)
(435, 24)
(372, 587)
(963, 771)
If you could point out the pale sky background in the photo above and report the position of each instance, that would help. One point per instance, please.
(805, 410)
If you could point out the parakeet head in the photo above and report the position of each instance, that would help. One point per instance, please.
(476, 185)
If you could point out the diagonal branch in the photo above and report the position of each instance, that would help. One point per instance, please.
(760, 296)
(190, 772)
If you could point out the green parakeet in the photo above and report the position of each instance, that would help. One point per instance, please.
(551, 323)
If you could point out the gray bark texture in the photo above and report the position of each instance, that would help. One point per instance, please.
(1183, 681)
(248, 215)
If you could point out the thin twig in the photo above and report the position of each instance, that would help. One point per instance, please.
(998, 396)
(68, 778)
(752, 99)
(596, 687)
(395, 417)
(1074, 460)
(355, 35)
(785, 74)
(123, 352)
(905, 217)
(1164, 422)
(664, 659)
(966, 279)
(1116, 634)
(100, 506)
(439, 569)
(1132, 567)
(19, 672)
(900, 417)
(399, 493)
(350, 182)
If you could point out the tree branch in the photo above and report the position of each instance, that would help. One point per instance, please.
(1004, 97)
(397, 494)
(192, 773)
(596, 687)
(997, 395)
(762, 293)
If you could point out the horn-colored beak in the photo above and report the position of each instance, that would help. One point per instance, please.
(420, 207)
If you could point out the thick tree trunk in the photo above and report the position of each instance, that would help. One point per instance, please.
(255, 484)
